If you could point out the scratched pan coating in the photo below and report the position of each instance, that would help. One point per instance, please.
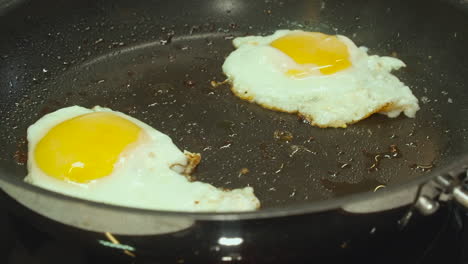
(159, 68)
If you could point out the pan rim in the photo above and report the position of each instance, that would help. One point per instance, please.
(454, 168)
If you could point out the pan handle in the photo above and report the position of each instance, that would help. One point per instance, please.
(460, 193)
(449, 187)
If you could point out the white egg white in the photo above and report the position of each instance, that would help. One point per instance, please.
(257, 73)
(149, 175)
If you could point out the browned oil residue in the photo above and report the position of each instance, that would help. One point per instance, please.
(343, 188)
(189, 83)
(215, 84)
(283, 135)
(244, 171)
(50, 106)
(21, 154)
(45, 110)
(21, 157)
(264, 148)
(423, 167)
(190, 178)
(376, 158)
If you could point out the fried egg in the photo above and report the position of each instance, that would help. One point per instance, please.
(106, 156)
(326, 79)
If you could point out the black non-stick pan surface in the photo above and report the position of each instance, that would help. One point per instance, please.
(155, 60)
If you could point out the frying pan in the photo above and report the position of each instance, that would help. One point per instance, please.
(154, 60)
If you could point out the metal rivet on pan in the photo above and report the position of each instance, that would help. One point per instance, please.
(426, 205)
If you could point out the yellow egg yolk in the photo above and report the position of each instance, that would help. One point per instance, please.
(86, 147)
(328, 53)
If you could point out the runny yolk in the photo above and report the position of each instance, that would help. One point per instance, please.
(86, 147)
(327, 52)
